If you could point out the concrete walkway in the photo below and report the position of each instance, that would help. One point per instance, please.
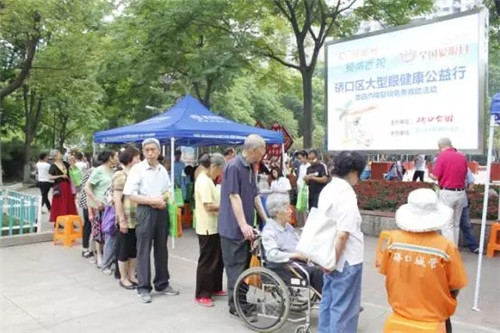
(46, 288)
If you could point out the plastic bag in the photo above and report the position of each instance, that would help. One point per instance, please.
(302, 198)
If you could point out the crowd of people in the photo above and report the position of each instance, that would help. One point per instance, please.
(226, 193)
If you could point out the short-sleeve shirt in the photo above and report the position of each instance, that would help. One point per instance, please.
(42, 169)
(421, 269)
(281, 185)
(317, 170)
(205, 192)
(147, 180)
(451, 169)
(55, 171)
(129, 207)
(100, 181)
(238, 178)
(339, 202)
(420, 163)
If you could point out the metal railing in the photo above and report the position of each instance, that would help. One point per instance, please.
(20, 213)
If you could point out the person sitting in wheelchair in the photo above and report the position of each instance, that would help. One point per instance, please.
(279, 241)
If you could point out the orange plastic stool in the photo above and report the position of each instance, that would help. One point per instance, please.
(494, 243)
(384, 237)
(68, 234)
(398, 324)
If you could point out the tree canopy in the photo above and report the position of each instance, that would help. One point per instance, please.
(70, 68)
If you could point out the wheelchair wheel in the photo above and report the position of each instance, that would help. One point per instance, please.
(261, 299)
(302, 329)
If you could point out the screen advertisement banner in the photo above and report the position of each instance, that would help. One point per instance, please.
(402, 90)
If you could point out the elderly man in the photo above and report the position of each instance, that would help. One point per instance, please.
(424, 270)
(279, 240)
(146, 185)
(239, 197)
(451, 171)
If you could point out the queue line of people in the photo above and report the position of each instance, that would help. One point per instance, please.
(140, 192)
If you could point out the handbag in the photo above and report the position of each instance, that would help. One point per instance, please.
(255, 279)
(108, 225)
(76, 176)
(56, 190)
(317, 241)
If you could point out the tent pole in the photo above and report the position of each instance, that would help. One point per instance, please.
(283, 165)
(172, 190)
(485, 212)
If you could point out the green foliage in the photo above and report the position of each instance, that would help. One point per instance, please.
(99, 63)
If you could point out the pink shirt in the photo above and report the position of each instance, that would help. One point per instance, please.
(451, 169)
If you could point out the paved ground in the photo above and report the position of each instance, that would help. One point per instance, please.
(46, 288)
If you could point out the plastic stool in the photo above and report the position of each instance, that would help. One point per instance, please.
(398, 324)
(68, 234)
(384, 237)
(494, 243)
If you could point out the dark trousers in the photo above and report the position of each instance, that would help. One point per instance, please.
(45, 189)
(210, 266)
(448, 325)
(236, 256)
(151, 231)
(418, 175)
(286, 273)
(313, 200)
(87, 228)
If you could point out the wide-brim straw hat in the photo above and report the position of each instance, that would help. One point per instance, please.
(423, 212)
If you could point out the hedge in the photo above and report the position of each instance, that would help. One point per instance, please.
(387, 196)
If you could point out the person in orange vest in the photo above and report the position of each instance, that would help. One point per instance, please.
(424, 270)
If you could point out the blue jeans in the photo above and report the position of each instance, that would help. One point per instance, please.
(341, 300)
(465, 228)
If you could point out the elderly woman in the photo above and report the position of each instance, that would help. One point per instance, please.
(63, 200)
(125, 214)
(279, 240)
(341, 296)
(210, 264)
(96, 187)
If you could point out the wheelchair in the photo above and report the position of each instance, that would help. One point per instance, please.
(264, 299)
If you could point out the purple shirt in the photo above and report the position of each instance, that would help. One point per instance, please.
(238, 177)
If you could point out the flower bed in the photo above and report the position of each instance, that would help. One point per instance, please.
(387, 196)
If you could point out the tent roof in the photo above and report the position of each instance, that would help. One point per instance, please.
(191, 124)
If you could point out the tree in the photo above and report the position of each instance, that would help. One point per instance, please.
(63, 32)
(311, 22)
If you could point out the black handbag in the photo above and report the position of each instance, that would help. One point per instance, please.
(56, 190)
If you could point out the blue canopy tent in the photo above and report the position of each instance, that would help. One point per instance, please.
(494, 120)
(190, 123)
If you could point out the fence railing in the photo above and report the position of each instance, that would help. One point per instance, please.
(20, 213)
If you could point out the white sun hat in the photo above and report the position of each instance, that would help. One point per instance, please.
(423, 212)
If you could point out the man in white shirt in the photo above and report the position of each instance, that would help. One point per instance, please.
(147, 185)
(43, 180)
(304, 164)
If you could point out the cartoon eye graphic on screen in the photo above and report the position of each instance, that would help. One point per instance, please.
(352, 124)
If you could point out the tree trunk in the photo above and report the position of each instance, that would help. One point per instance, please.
(308, 107)
(32, 115)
